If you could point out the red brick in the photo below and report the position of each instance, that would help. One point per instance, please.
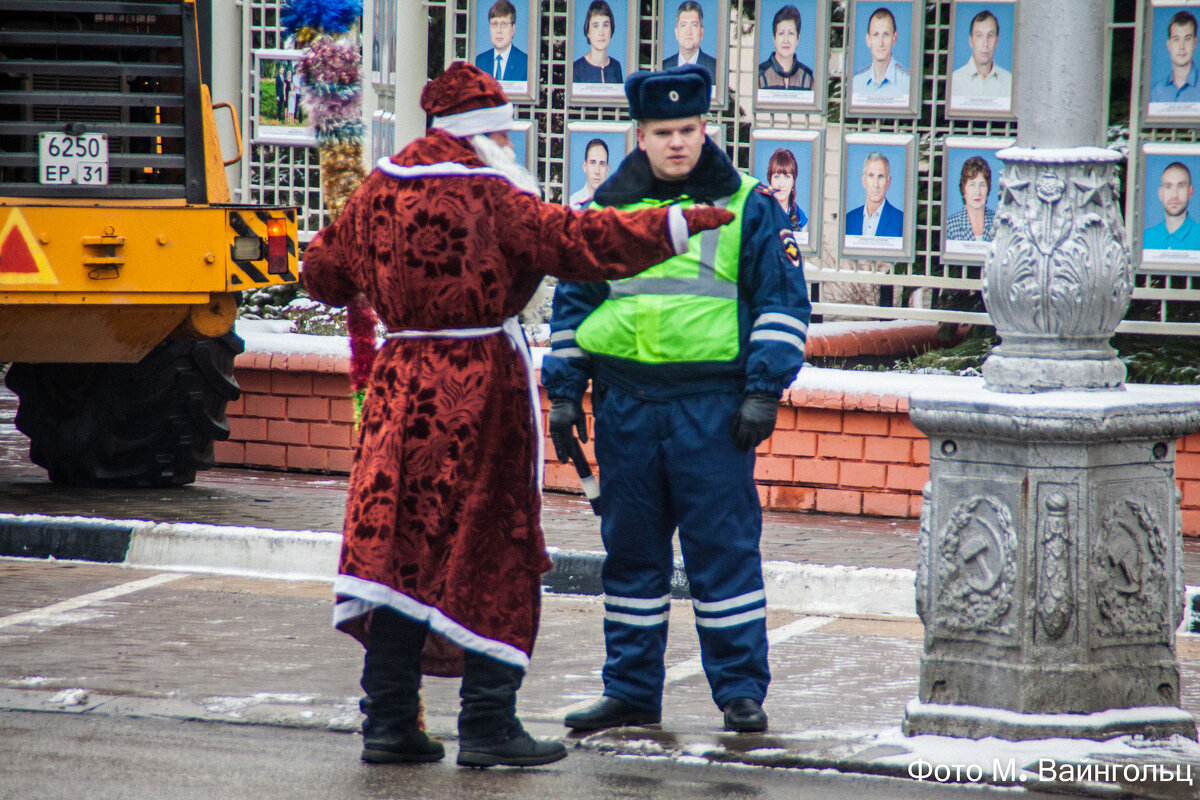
(820, 399)
(904, 478)
(340, 460)
(308, 408)
(792, 498)
(311, 458)
(764, 495)
(331, 434)
(888, 450)
(1191, 522)
(331, 385)
(797, 398)
(283, 432)
(846, 448)
(901, 425)
(814, 419)
(794, 443)
(861, 475)
(341, 410)
(1187, 466)
(266, 455)
(880, 504)
(229, 453)
(915, 502)
(265, 405)
(234, 408)
(866, 423)
(291, 383)
(253, 380)
(247, 429)
(1189, 443)
(920, 452)
(773, 469)
(888, 403)
(1191, 493)
(561, 476)
(839, 501)
(786, 421)
(815, 472)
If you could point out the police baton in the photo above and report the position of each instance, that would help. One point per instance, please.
(591, 487)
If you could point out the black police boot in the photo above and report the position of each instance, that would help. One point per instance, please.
(609, 712)
(392, 681)
(489, 732)
(745, 716)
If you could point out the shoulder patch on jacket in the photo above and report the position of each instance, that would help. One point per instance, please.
(761, 189)
(790, 248)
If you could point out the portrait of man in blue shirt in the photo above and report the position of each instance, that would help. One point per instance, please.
(503, 61)
(884, 75)
(1177, 231)
(1182, 83)
(876, 217)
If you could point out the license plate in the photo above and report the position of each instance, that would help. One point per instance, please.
(66, 159)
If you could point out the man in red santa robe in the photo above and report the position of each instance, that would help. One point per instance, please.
(448, 240)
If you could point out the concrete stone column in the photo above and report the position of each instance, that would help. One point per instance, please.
(1049, 576)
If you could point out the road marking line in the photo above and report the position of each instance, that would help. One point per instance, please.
(692, 666)
(48, 614)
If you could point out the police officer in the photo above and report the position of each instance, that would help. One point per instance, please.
(689, 360)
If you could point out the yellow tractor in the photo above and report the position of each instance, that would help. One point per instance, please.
(121, 257)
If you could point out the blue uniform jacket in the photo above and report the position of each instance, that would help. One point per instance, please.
(773, 305)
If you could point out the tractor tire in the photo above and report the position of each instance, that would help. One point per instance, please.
(149, 424)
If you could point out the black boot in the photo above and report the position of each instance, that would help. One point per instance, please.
(392, 681)
(489, 732)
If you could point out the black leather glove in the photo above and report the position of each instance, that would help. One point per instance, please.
(565, 415)
(755, 419)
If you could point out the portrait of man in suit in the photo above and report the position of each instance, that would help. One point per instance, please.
(504, 61)
(876, 217)
(689, 32)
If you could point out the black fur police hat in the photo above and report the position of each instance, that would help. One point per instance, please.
(671, 94)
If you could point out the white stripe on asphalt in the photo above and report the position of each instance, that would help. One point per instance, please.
(56, 614)
(692, 666)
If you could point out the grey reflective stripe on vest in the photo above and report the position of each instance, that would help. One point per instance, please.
(705, 284)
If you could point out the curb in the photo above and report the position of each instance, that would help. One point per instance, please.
(313, 556)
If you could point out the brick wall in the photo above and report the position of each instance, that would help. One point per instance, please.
(832, 451)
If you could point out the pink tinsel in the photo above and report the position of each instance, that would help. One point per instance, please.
(331, 62)
(360, 324)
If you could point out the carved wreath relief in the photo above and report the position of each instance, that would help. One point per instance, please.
(1129, 564)
(977, 568)
(1060, 263)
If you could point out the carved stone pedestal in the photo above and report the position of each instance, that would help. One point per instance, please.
(1050, 581)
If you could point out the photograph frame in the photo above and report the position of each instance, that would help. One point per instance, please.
(1163, 114)
(814, 141)
(626, 130)
(855, 106)
(851, 168)
(716, 16)
(1152, 158)
(978, 107)
(782, 101)
(477, 23)
(967, 253)
(601, 94)
(284, 134)
(525, 130)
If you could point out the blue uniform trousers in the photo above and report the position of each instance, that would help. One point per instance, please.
(674, 463)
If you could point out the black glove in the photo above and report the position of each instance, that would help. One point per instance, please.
(565, 415)
(754, 420)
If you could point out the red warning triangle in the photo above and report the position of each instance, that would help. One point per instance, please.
(22, 260)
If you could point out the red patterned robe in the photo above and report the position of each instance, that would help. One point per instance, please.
(443, 513)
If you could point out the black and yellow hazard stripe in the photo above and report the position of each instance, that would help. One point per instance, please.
(253, 274)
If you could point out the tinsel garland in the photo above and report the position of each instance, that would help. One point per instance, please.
(331, 69)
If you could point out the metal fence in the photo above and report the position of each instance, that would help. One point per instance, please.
(920, 287)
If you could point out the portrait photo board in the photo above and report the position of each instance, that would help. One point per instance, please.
(963, 99)
(280, 117)
(524, 139)
(895, 239)
(957, 150)
(714, 43)
(523, 85)
(1151, 251)
(810, 52)
(618, 136)
(1163, 104)
(623, 48)
(383, 42)
(808, 148)
(895, 99)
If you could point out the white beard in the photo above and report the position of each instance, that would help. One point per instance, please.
(504, 159)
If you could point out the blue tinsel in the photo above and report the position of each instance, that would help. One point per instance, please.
(330, 16)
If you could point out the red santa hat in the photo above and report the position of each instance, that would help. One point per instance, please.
(465, 101)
